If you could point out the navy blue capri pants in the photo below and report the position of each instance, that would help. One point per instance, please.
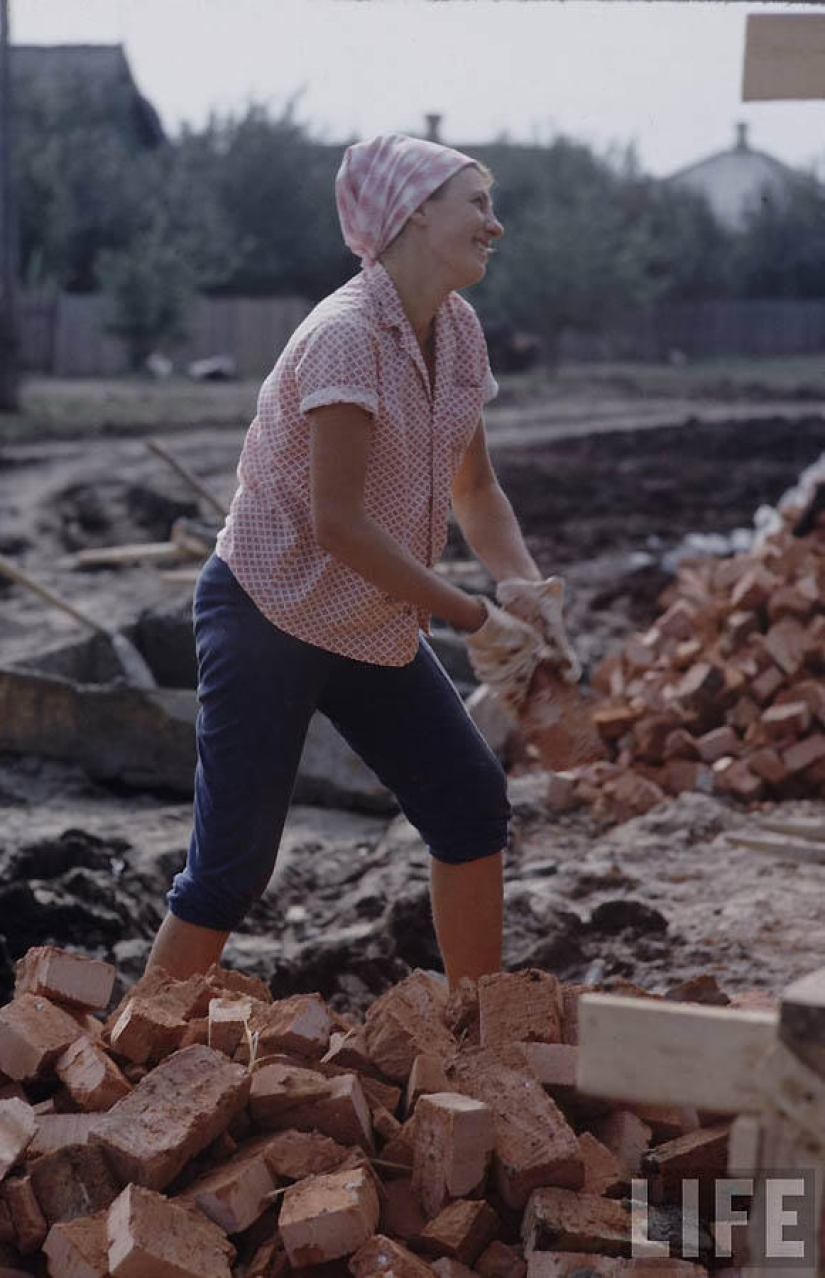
(258, 689)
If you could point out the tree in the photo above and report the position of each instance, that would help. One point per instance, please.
(781, 249)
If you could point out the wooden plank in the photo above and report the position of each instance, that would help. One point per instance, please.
(771, 845)
(812, 828)
(784, 57)
(672, 1054)
(151, 552)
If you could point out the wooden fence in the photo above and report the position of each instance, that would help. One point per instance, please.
(67, 335)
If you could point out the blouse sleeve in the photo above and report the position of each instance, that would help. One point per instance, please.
(338, 366)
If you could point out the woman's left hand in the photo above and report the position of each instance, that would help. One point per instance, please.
(541, 605)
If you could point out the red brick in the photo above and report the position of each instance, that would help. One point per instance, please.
(811, 692)
(173, 1113)
(426, 1076)
(328, 1217)
(739, 625)
(454, 1137)
(56, 1131)
(405, 1021)
(534, 1143)
(300, 1024)
(788, 601)
(753, 590)
(554, 1065)
(269, 1261)
(228, 1019)
(738, 780)
(92, 1080)
(74, 1181)
(764, 688)
(787, 719)
(556, 1219)
(805, 753)
(402, 1215)
(277, 1089)
(349, 1050)
(399, 1150)
(236, 1193)
(78, 1248)
(295, 1155)
(680, 744)
(381, 1255)
(768, 765)
(18, 1124)
(564, 1264)
(380, 1094)
(626, 1136)
(500, 1261)
(679, 621)
(33, 1033)
(716, 743)
(612, 722)
(787, 644)
(65, 977)
(602, 1174)
(149, 1234)
(700, 1154)
(146, 1031)
(743, 714)
(29, 1223)
(338, 1110)
(384, 1124)
(570, 995)
(462, 1231)
(239, 983)
(687, 774)
(560, 795)
(519, 1007)
(446, 1267)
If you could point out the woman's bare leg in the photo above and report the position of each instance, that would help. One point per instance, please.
(184, 949)
(468, 911)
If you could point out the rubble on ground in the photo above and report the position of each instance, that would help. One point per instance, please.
(723, 694)
(204, 1129)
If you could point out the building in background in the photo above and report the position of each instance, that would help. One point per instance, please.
(736, 180)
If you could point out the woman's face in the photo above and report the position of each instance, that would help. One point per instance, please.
(460, 226)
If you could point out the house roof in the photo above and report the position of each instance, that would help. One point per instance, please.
(101, 68)
(735, 180)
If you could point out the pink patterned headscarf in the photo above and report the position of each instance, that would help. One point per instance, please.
(380, 183)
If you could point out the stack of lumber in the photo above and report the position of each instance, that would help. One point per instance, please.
(725, 693)
(207, 1130)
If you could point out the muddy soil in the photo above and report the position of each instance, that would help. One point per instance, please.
(655, 900)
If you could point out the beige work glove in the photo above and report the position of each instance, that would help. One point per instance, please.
(541, 605)
(504, 653)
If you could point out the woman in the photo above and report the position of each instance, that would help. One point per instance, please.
(367, 429)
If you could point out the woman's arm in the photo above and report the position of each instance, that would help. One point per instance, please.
(341, 438)
(486, 517)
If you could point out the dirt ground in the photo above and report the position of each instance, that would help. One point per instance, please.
(607, 484)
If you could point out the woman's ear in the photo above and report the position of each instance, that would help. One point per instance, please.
(419, 215)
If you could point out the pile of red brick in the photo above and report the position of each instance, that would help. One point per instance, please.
(206, 1130)
(724, 694)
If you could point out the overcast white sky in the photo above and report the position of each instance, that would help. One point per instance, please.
(664, 75)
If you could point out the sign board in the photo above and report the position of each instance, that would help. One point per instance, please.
(784, 56)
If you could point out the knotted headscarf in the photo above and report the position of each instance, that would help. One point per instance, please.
(380, 183)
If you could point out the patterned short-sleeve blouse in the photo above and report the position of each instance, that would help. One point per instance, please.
(356, 347)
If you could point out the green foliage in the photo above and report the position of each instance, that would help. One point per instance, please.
(152, 287)
(781, 252)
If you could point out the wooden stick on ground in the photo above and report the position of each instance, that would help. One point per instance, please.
(160, 451)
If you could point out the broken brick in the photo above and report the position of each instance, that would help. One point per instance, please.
(73, 1181)
(402, 1215)
(534, 1144)
(382, 1255)
(338, 1109)
(33, 1033)
(29, 1223)
(454, 1139)
(716, 743)
(236, 1193)
(295, 1155)
(90, 1077)
(805, 753)
(18, 1124)
(79, 1248)
(146, 1031)
(228, 1019)
(173, 1113)
(602, 1173)
(427, 1075)
(559, 1220)
(405, 1021)
(461, 1230)
(519, 1007)
(788, 719)
(626, 1136)
(150, 1234)
(65, 977)
(500, 1261)
(328, 1216)
(56, 1131)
